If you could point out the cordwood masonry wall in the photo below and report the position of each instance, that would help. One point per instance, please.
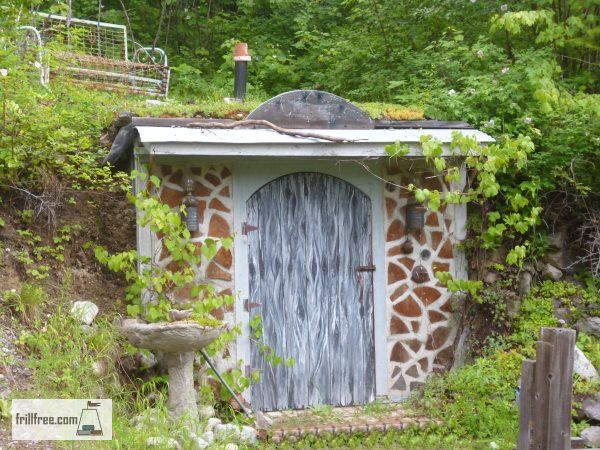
(420, 332)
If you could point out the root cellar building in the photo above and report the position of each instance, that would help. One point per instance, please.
(322, 251)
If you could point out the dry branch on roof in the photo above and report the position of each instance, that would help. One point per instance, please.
(266, 123)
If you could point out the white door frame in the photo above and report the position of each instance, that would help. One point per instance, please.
(250, 175)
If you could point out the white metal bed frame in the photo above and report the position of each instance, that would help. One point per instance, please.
(96, 53)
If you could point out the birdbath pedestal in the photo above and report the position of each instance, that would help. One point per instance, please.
(178, 341)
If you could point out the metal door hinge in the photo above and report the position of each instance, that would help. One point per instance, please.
(247, 228)
(248, 305)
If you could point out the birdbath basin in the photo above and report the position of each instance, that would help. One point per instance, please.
(178, 341)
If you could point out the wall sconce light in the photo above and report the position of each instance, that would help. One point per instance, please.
(415, 216)
(191, 204)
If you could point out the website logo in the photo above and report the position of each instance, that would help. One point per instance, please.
(58, 419)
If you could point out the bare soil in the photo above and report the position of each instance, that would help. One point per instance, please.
(95, 218)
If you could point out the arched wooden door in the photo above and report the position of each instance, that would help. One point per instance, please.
(311, 283)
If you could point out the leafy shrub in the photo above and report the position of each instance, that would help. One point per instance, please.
(537, 309)
(70, 362)
(478, 400)
(27, 301)
(157, 282)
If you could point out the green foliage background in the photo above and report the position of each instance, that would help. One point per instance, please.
(525, 67)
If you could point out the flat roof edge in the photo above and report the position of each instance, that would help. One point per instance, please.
(378, 123)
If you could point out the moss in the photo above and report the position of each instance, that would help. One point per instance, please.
(392, 111)
(219, 109)
(537, 309)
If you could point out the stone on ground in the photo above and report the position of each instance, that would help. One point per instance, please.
(212, 423)
(248, 435)
(227, 432)
(206, 411)
(100, 368)
(525, 283)
(591, 436)
(208, 436)
(148, 360)
(583, 367)
(589, 325)
(200, 444)
(591, 407)
(549, 272)
(84, 311)
(162, 442)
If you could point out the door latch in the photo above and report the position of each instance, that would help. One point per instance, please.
(247, 228)
(249, 305)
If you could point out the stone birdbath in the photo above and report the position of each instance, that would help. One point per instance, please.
(179, 342)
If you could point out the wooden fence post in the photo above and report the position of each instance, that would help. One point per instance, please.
(526, 404)
(546, 393)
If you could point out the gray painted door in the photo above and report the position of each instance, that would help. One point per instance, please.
(314, 230)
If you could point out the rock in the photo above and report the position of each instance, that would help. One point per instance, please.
(591, 408)
(86, 329)
(529, 268)
(84, 311)
(148, 360)
(561, 313)
(525, 282)
(583, 367)
(556, 259)
(589, 325)
(206, 411)
(248, 435)
(261, 420)
(162, 442)
(231, 446)
(212, 423)
(490, 278)
(549, 272)
(208, 436)
(496, 256)
(227, 432)
(200, 444)
(513, 307)
(557, 240)
(100, 368)
(591, 436)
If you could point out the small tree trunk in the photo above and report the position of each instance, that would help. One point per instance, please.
(182, 398)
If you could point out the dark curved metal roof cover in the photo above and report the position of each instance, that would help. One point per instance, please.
(312, 109)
